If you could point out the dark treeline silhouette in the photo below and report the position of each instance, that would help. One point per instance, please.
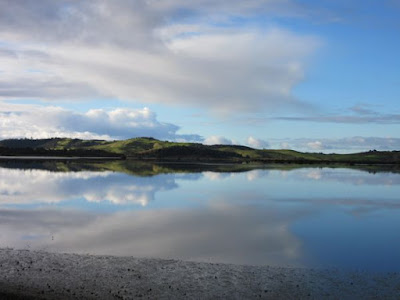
(194, 151)
(6, 151)
(49, 143)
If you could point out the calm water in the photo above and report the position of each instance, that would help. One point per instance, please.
(304, 217)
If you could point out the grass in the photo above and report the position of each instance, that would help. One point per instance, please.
(152, 149)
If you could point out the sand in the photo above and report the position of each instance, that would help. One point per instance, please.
(41, 275)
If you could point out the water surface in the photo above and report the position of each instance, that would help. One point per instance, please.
(278, 215)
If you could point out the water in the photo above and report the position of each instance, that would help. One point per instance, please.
(279, 215)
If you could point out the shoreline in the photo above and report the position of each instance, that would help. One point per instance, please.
(26, 274)
(29, 158)
(179, 161)
(150, 149)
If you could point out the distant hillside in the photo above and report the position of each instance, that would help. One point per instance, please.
(152, 149)
(53, 144)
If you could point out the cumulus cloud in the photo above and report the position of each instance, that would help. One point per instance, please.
(26, 121)
(256, 143)
(151, 52)
(217, 140)
(284, 145)
(315, 145)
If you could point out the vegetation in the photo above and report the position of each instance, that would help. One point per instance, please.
(139, 168)
(150, 149)
(6, 151)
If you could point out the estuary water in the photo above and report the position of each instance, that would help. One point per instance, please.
(289, 216)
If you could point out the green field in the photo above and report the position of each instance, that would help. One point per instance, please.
(152, 149)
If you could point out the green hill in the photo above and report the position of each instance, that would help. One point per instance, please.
(145, 148)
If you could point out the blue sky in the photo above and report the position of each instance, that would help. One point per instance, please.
(308, 75)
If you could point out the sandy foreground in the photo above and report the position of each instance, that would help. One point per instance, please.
(41, 275)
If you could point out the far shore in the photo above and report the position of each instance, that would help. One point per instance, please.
(58, 157)
(28, 274)
(199, 161)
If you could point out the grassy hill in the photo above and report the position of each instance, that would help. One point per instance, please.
(152, 149)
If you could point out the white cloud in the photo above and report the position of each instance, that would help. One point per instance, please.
(256, 143)
(50, 121)
(315, 145)
(217, 140)
(357, 114)
(340, 145)
(149, 53)
(284, 145)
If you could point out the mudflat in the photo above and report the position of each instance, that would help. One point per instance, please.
(28, 274)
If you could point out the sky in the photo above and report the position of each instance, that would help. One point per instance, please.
(316, 76)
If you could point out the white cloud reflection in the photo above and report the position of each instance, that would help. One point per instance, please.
(214, 176)
(347, 176)
(247, 235)
(249, 221)
(256, 174)
(44, 187)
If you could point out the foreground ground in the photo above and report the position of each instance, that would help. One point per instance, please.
(40, 275)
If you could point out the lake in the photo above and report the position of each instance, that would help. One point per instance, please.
(283, 215)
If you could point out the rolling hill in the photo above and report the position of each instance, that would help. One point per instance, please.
(146, 148)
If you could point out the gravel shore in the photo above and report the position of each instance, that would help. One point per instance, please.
(41, 275)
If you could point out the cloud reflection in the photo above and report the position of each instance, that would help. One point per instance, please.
(347, 176)
(256, 174)
(247, 218)
(42, 186)
(215, 176)
(230, 234)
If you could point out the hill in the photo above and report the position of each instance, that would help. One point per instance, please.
(146, 148)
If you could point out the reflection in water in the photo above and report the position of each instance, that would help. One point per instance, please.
(41, 186)
(248, 235)
(216, 176)
(349, 176)
(318, 217)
